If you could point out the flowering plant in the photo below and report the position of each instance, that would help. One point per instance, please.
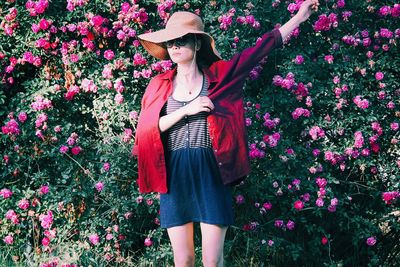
(322, 116)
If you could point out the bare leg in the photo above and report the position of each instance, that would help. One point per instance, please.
(182, 244)
(213, 238)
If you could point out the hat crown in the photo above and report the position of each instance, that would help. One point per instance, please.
(187, 20)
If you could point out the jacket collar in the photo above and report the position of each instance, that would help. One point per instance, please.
(169, 75)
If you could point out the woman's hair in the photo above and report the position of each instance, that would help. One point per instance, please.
(201, 62)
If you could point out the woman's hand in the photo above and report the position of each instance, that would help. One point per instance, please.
(200, 104)
(306, 9)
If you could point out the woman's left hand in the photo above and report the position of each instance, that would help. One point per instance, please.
(306, 9)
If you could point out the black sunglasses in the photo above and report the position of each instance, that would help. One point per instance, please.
(181, 41)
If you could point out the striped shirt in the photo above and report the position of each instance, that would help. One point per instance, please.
(191, 131)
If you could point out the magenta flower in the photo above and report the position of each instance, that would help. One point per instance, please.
(94, 239)
(359, 140)
(106, 166)
(148, 242)
(97, 20)
(371, 241)
(322, 24)
(361, 103)
(22, 116)
(278, 223)
(76, 150)
(12, 216)
(11, 128)
(390, 197)
(41, 103)
(46, 219)
(290, 225)
(45, 241)
(99, 186)
(44, 189)
(319, 202)
(316, 132)
(109, 54)
(8, 239)
(267, 206)
(298, 205)
(299, 59)
(23, 204)
(321, 182)
(64, 149)
(119, 99)
(239, 199)
(5, 193)
(379, 75)
(44, 24)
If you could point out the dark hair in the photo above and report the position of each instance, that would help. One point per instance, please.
(201, 62)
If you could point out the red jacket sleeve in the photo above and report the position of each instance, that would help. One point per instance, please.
(240, 65)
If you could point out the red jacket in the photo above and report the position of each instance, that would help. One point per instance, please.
(226, 122)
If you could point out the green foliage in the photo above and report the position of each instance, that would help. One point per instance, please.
(92, 186)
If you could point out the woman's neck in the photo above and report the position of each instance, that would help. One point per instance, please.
(187, 72)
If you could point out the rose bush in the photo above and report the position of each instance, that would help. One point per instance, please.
(323, 128)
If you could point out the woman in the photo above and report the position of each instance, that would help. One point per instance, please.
(191, 138)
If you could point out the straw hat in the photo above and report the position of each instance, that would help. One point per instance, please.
(179, 24)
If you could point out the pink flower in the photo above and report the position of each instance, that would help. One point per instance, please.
(371, 241)
(99, 186)
(76, 150)
(45, 241)
(64, 149)
(290, 225)
(44, 189)
(5, 193)
(239, 199)
(44, 24)
(23, 204)
(11, 128)
(361, 103)
(8, 239)
(319, 202)
(148, 242)
(390, 197)
(119, 99)
(106, 166)
(379, 75)
(278, 223)
(97, 20)
(22, 116)
(316, 132)
(359, 140)
(329, 59)
(298, 205)
(267, 206)
(324, 240)
(322, 24)
(46, 219)
(94, 239)
(394, 126)
(299, 59)
(109, 54)
(321, 182)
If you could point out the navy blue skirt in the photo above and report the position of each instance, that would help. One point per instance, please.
(195, 190)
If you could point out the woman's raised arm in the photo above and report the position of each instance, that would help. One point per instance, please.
(305, 11)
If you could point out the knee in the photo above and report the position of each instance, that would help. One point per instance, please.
(184, 260)
(213, 262)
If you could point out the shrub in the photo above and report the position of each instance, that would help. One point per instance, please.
(322, 116)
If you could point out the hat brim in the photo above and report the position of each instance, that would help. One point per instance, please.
(153, 42)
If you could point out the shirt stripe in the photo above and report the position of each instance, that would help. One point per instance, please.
(191, 131)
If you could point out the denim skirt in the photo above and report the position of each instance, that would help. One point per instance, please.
(195, 190)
